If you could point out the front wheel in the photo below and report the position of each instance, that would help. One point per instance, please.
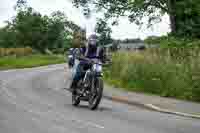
(96, 94)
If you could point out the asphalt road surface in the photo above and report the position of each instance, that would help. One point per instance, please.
(33, 101)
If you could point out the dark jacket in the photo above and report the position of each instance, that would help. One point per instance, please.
(92, 53)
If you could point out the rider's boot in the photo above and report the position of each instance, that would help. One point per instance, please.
(73, 87)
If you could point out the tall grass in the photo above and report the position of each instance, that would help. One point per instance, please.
(173, 72)
(16, 51)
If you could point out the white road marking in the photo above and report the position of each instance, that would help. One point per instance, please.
(95, 125)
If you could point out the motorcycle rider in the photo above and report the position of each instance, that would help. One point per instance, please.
(70, 57)
(91, 50)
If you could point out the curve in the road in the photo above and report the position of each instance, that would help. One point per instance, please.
(32, 100)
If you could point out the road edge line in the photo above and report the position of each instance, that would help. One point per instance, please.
(149, 106)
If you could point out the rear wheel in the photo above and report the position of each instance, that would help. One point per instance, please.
(96, 94)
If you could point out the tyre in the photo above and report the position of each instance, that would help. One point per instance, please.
(75, 100)
(96, 96)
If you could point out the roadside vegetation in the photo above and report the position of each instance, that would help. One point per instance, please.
(168, 72)
(16, 51)
(171, 41)
(31, 39)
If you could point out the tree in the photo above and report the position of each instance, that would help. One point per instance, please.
(7, 37)
(152, 9)
(42, 33)
(188, 18)
(21, 5)
(31, 29)
(104, 31)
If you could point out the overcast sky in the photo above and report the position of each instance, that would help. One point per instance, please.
(125, 29)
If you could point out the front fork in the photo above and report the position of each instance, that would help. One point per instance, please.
(89, 81)
(94, 81)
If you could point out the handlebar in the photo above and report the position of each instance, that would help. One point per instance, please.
(89, 60)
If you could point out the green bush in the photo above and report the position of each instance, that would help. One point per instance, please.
(173, 72)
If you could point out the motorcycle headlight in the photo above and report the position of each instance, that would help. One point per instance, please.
(97, 68)
(70, 56)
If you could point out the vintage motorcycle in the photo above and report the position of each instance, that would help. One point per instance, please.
(90, 87)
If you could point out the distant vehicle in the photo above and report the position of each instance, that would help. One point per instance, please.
(131, 46)
(125, 47)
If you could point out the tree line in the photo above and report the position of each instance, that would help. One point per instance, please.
(41, 32)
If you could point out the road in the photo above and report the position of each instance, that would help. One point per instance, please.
(33, 101)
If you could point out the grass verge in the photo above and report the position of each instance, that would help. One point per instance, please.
(173, 72)
(11, 62)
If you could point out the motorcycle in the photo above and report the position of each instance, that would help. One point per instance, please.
(90, 87)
